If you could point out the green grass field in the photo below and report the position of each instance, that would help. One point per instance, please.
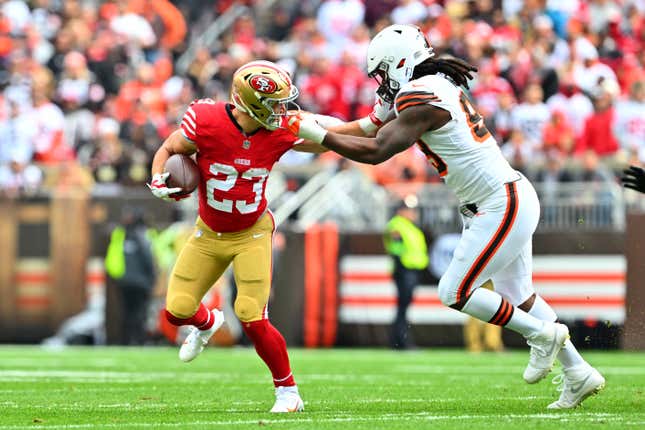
(130, 388)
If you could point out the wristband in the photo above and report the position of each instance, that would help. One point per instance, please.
(310, 130)
(368, 125)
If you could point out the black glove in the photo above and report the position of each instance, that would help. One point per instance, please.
(634, 178)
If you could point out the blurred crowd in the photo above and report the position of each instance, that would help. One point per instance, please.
(89, 89)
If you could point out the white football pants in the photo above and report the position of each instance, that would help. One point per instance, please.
(496, 244)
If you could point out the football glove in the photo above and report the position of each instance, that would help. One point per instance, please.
(634, 178)
(377, 117)
(160, 190)
(306, 127)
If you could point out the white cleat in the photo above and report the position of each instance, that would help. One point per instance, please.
(287, 399)
(545, 346)
(197, 339)
(576, 385)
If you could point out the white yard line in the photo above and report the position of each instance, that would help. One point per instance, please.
(567, 416)
(143, 404)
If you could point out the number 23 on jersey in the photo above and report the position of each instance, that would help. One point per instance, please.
(226, 178)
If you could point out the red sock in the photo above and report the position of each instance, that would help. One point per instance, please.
(203, 318)
(271, 348)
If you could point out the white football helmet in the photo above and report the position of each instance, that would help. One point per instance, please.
(392, 55)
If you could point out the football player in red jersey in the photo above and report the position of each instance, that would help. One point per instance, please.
(236, 145)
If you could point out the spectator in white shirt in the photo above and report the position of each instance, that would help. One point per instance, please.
(409, 12)
(630, 121)
(577, 107)
(16, 151)
(337, 20)
(588, 71)
(531, 116)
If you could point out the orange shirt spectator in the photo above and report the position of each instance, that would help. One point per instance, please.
(557, 134)
(173, 21)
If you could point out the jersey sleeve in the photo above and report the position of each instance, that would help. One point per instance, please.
(414, 97)
(189, 124)
(197, 114)
(432, 90)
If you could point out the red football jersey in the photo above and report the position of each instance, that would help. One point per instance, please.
(234, 167)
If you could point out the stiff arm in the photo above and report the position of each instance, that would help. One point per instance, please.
(394, 137)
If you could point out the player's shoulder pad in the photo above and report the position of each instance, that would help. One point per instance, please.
(430, 89)
(198, 112)
(417, 92)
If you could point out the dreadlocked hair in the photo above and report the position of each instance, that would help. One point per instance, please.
(457, 70)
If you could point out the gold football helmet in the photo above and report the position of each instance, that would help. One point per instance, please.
(263, 89)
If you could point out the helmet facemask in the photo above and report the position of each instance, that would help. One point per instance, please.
(387, 88)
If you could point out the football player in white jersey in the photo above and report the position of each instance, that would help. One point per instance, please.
(499, 205)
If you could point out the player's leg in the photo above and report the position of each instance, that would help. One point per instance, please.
(201, 262)
(580, 380)
(535, 305)
(514, 283)
(252, 269)
(494, 238)
(491, 333)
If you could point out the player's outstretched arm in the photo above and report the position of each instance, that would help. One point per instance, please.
(394, 137)
(364, 127)
(382, 112)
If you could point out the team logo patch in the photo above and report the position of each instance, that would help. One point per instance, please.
(263, 84)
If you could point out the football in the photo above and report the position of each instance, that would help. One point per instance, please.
(184, 173)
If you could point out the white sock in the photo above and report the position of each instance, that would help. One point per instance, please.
(489, 306)
(291, 389)
(568, 355)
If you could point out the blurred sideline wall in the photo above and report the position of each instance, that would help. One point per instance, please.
(330, 288)
(51, 257)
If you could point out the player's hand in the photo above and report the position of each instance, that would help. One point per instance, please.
(159, 188)
(634, 178)
(306, 127)
(380, 113)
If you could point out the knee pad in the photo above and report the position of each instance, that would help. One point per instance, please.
(247, 309)
(447, 291)
(182, 305)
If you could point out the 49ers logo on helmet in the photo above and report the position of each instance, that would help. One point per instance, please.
(263, 84)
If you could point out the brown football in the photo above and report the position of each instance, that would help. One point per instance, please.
(184, 173)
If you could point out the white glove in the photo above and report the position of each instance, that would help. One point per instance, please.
(306, 127)
(159, 188)
(377, 117)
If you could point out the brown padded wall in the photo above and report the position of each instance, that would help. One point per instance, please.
(634, 335)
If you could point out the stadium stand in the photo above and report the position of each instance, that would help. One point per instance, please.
(89, 89)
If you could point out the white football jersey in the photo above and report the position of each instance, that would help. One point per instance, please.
(463, 150)
(629, 126)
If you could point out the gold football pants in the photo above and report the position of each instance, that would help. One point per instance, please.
(207, 254)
